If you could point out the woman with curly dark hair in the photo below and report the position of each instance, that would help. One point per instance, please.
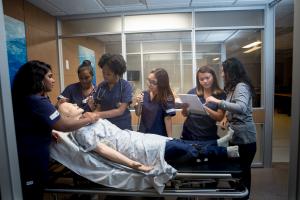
(238, 107)
(156, 105)
(35, 117)
(114, 94)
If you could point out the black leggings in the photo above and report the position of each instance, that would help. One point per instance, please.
(247, 153)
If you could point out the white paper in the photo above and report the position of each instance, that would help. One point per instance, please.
(195, 105)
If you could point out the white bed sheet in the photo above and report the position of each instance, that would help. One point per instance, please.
(104, 172)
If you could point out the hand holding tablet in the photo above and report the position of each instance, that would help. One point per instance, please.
(195, 105)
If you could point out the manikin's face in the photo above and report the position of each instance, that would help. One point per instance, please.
(70, 110)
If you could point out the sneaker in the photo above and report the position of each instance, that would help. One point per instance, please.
(233, 151)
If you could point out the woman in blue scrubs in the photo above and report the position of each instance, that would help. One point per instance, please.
(80, 92)
(114, 94)
(203, 127)
(156, 105)
(35, 117)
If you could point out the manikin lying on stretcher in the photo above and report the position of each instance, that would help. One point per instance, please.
(143, 152)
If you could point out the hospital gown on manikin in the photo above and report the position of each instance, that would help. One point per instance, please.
(148, 149)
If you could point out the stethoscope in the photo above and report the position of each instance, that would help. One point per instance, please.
(103, 89)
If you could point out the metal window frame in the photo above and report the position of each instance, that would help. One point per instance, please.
(267, 66)
(9, 166)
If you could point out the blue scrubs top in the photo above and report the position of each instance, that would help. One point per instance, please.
(153, 114)
(34, 119)
(74, 93)
(201, 127)
(110, 99)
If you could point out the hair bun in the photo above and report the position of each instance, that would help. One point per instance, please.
(86, 62)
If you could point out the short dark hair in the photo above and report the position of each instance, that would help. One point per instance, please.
(29, 79)
(86, 64)
(115, 62)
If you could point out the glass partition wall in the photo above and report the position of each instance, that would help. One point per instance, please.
(171, 51)
(180, 43)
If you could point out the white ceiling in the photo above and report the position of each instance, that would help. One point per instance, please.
(78, 7)
(284, 11)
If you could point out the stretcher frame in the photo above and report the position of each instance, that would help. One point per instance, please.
(186, 183)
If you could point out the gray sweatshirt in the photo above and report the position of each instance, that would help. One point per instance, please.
(239, 114)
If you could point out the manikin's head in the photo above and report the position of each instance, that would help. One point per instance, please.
(70, 110)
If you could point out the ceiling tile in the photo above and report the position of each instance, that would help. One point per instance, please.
(73, 7)
(121, 2)
(251, 2)
(209, 3)
(128, 8)
(47, 7)
(158, 4)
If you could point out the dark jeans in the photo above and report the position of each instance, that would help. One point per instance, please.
(247, 153)
(178, 151)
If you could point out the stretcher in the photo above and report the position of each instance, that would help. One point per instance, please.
(213, 179)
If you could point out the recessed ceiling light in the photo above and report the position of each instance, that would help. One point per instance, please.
(253, 44)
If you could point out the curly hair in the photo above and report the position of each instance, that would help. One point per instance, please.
(164, 92)
(114, 62)
(86, 64)
(234, 73)
(215, 88)
(29, 79)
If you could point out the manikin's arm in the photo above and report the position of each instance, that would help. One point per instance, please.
(115, 156)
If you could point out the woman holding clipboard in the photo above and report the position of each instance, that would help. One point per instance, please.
(203, 126)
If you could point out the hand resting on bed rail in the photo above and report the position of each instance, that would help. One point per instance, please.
(123, 147)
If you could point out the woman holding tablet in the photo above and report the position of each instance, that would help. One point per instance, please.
(199, 126)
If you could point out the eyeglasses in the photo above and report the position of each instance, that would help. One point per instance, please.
(152, 82)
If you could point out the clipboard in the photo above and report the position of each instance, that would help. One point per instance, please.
(195, 105)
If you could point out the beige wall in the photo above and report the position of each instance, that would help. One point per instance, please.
(40, 35)
(70, 53)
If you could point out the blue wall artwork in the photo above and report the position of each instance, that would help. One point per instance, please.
(87, 54)
(16, 45)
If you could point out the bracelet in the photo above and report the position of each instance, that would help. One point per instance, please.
(222, 105)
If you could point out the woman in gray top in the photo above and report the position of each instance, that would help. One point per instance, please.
(238, 107)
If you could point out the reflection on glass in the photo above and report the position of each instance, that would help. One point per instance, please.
(214, 46)
(251, 57)
(134, 72)
(112, 43)
(171, 51)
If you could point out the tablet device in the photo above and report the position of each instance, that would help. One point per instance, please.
(195, 105)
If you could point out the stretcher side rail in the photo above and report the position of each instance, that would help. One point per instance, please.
(213, 193)
(182, 175)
